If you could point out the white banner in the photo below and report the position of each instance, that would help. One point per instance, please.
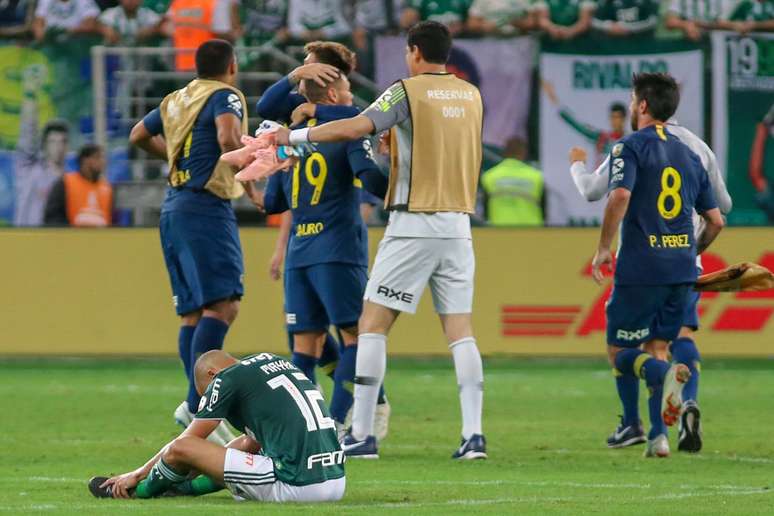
(501, 68)
(577, 94)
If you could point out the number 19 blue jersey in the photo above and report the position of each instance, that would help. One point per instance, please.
(323, 193)
(667, 181)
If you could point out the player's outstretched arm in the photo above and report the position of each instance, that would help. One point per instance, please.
(336, 131)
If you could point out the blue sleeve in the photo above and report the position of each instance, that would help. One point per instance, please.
(623, 168)
(278, 101)
(705, 201)
(152, 123)
(328, 112)
(226, 101)
(360, 156)
(274, 200)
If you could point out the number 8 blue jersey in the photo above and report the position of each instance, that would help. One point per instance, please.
(667, 181)
(323, 193)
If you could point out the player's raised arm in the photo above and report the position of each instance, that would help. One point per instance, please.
(591, 185)
(336, 131)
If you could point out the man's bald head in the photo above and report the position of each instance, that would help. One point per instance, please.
(210, 364)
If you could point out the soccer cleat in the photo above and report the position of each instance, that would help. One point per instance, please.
(658, 447)
(103, 492)
(672, 400)
(382, 420)
(365, 449)
(690, 429)
(624, 436)
(221, 436)
(473, 448)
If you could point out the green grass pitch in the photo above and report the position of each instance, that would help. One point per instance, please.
(63, 421)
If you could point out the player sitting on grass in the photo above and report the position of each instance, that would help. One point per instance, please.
(326, 268)
(656, 181)
(593, 186)
(289, 452)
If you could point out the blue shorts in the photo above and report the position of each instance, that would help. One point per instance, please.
(324, 294)
(691, 312)
(637, 314)
(203, 257)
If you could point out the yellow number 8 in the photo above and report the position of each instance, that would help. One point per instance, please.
(670, 191)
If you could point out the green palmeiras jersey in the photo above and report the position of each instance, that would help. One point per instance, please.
(273, 402)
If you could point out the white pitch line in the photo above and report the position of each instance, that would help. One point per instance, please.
(587, 485)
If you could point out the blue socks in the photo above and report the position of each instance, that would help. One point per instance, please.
(684, 352)
(633, 362)
(184, 343)
(329, 357)
(629, 393)
(306, 363)
(210, 334)
(343, 383)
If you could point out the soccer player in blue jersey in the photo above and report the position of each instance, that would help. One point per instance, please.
(327, 259)
(199, 236)
(656, 182)
(593, 186)
(324, 62)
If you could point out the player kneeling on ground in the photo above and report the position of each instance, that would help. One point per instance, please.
(289, 452)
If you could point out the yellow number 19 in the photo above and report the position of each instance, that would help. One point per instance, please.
(670, 191)
(318, 181)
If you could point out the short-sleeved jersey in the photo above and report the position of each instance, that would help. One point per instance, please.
(634, 15)
(752, 10)
(667, 181)
(273, 402)
(322, 192)
(199, 157)
(441, 11)
(700, 10)
(564, 12)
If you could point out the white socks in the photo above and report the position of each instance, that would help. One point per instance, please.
(369, 375)
(470, 378)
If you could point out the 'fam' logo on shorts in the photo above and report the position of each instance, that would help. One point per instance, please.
(390, 294)
(290, 318)
(633, 335)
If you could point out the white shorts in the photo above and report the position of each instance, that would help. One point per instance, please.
(251, 477)
(405, 265)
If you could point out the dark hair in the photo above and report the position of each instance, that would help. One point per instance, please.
(213, 58)
(334, 54)
(55, 126)
(618, 107)
(87, 151)
(660, 91)
(433, 41)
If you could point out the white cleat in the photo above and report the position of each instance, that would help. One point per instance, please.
(222, 434)
(658, 447)
(382, 420)
(672, 400)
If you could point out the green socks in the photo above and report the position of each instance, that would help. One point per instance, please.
(161, 478)
(199, 486)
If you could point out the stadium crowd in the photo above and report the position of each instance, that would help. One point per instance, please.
(64, 25)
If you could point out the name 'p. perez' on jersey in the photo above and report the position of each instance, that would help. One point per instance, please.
(272, 401)
(667, 181)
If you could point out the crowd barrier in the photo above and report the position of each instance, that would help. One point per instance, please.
(105, 292)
